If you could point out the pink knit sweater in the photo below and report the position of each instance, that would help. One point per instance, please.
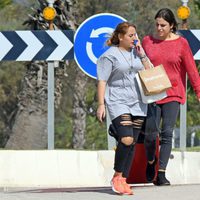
(177, 59)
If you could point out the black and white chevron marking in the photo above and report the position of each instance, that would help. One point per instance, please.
(36, 45)
(193, 38)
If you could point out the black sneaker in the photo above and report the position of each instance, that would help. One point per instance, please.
(151, 171)
(161, 180)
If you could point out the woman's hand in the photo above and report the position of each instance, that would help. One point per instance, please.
(101, 112)
(137, 45)
(141, 53)
(140, 50)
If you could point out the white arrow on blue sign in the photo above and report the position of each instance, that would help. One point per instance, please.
(36, 45)
(90, 38)
(193, 37)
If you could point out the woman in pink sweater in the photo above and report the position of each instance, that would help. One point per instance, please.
(173, 51)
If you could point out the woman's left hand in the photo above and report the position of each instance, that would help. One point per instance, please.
(101, 112)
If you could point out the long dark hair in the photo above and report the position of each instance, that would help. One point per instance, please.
(168, 16)
(120, 29)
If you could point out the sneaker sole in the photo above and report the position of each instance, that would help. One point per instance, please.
(129, 193)
(113, 189)
(158, 184)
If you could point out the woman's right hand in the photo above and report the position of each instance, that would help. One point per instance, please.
(101, 112)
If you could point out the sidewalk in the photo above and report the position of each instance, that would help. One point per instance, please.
(150, 192)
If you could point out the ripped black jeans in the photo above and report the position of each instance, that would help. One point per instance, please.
(127, 128)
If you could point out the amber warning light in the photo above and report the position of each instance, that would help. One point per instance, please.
(49, 13)
(183, 12)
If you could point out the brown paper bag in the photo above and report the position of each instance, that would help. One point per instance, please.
(154, 80)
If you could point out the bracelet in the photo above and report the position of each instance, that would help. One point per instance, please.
(142, 57)
(101, 104)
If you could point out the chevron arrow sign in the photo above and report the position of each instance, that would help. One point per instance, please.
(36, 45)
(193, 37)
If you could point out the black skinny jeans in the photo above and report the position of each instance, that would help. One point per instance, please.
(167, 114)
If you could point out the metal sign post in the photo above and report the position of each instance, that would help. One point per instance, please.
(183, 13)
(50, 105)
(49, 14)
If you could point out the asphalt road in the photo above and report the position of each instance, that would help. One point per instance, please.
(150, 192)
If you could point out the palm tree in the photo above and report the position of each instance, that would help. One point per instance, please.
(30, 127)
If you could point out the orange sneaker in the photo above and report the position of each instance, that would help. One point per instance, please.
(127, 188)
(117, 185)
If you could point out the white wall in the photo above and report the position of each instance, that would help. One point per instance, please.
(70, 168)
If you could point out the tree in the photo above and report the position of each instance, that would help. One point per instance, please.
(4, 3)
(142, 13)
(76, 125)
(11, 73)
(29, 130)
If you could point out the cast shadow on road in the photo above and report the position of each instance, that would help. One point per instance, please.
(105, 190)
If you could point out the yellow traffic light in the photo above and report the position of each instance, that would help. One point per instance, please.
(49, 13)
(183, 12)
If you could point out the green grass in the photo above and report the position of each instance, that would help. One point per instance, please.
(195, 149)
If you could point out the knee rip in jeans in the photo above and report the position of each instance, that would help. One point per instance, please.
(126, 120)
(128, 140)
(137, 123)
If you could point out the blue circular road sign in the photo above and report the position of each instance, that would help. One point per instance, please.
(90, 38)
